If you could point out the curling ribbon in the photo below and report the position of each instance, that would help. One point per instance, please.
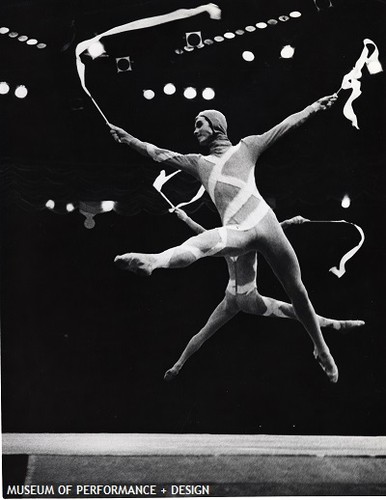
(351, 79)
(163, 178)
(341, 269)
(212, 9)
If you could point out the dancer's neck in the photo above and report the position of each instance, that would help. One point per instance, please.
(219, 145)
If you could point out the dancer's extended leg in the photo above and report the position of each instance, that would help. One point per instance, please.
(282, 258)
(278, 309)
(219, 241)
(221, 315)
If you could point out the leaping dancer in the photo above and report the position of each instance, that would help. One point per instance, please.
(248, 226)
(242, 295)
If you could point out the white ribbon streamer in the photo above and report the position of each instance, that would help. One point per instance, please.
(340, 270)
(351, 80)
(163, 179)
(212, 9)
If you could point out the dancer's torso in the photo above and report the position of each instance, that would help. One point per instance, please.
(230, 182)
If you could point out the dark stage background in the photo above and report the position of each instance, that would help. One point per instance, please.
(84, 345)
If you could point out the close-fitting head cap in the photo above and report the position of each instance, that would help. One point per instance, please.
(216, 119)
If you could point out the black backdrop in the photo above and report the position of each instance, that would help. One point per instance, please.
(85, 346)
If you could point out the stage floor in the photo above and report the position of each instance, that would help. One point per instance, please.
(230, 465)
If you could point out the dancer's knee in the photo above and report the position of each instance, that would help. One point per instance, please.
(298, 293)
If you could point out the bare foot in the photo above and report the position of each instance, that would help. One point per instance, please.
(171, 374)
(328, 365)
(138, 263)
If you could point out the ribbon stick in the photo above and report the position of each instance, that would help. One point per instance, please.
(340, 270)
(351, 79)
(212, 9)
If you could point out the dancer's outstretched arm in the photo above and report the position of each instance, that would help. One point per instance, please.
(187, 163)
(197, 228)
(260, 143)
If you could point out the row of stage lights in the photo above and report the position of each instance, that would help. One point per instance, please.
(20, 91)
(189, 92)
(108, 206)
(32, 42)
(194, 39)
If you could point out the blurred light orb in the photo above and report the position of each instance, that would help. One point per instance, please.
(208, 93)
(287, 52)
(169, 89)
(190, 93)
(148, 94)
(248, 56)
(4, 88)
(21, 91)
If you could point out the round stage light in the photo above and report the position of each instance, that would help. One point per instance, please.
(50, 204)
(229, 35)
(208, 41)
(13, 34)
(96, 49)
(169, 89)
(190, 93)
(22, 38)
(248, 56)
(208, 93)
(272, 22)
(4, 30)
(346, 202)
(148, 94)
(261, 25)
(250, 29)
(295, 14)
(179, 51)
(70, 207)
(287, 52)
(4, 88)
(108, 205)
(218, 38)
(41, 45)
(32, 41)
(283, 19)
(21, 91)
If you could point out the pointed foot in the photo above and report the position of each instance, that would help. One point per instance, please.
(171, 374)
(138, 263)
(326, 361)
(348, 325)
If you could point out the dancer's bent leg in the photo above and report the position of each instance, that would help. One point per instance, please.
(282, 258)
(219, 241)
(221, 315)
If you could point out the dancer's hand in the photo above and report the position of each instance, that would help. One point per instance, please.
(294, 220)
(298, 219)
(325, 102)
(120, 135)
(180, 214)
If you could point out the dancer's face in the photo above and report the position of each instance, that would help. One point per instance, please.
(202, 131)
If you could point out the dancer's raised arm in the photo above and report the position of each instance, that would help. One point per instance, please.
(187, 163)
(260, 143)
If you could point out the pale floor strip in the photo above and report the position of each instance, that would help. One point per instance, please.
(191, 444)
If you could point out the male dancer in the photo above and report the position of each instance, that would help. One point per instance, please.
(242, 295)
(249, 225)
